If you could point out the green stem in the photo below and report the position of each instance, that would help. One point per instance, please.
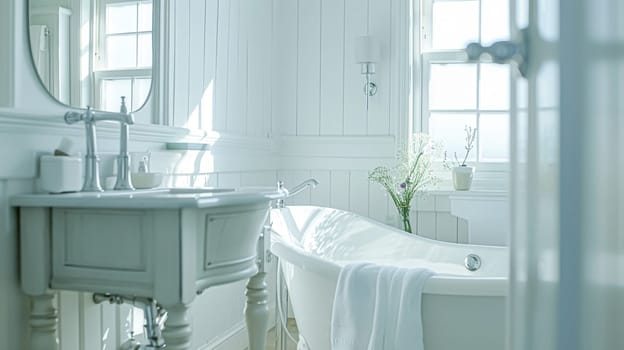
(405, 217)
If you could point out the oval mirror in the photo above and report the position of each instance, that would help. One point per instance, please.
(93, 52)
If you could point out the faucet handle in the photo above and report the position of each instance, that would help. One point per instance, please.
(73, 117)
(123, 109)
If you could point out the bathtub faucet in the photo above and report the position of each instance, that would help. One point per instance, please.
(302, 186)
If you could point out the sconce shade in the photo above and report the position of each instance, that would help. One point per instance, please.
(366, 49)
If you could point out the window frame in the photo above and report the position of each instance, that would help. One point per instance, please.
(101, 74)
(425, 57)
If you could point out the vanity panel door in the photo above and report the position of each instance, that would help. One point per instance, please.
(102, 250)
(225, 250)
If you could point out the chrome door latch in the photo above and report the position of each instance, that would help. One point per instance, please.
(503, 52)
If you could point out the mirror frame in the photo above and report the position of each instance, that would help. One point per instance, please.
(154, 91)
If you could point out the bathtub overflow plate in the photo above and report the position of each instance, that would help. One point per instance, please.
(472, 262)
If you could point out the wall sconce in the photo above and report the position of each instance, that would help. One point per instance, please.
(367, 54)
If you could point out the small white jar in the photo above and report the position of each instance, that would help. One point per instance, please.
(462, 177)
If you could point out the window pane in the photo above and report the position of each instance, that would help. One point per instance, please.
(494, 137)
(121, 51)
(453, 86)
(112, 90)
(141, 91)
(145, 16)
(494, 21)
(449, 128)
(121, 18)
(494, 86)
(145, 50)
(455, 24)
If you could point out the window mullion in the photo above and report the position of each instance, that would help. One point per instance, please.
(426, 24)
(424, 113)
(478, 121)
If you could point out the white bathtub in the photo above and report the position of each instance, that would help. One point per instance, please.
(461, 309)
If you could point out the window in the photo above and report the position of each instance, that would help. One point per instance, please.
(456, 93)
(124, 56)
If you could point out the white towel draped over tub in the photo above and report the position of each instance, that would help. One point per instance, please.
(378, 307)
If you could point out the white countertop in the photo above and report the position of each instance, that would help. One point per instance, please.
(153, 198)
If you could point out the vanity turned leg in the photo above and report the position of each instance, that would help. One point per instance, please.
(257, 311)
(43, 323)
(177, 331)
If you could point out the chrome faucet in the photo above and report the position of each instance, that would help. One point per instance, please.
(302, 186)
(92, 160)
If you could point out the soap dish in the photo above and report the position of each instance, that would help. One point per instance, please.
(146, 180)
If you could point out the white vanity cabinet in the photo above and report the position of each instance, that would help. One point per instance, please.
(164, 246)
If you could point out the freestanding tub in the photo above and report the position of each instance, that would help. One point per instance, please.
(461, 309)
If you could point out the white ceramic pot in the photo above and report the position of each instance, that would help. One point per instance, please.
(462, 177)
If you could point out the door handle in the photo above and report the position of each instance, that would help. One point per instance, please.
(503, 52)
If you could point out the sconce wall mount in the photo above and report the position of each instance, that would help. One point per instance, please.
(367, 50)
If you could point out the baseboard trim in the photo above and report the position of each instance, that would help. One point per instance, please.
(236, 338)
(233, 339)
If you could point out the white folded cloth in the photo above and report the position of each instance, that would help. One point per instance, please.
(378, 307)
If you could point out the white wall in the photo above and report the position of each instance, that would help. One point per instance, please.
(221, 69)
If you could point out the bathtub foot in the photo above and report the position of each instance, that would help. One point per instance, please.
(43, 323)
(177, 332)
(257, 311)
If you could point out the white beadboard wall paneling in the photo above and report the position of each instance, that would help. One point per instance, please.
(13, 304)
(332, 67)
(234, 118)
(259, 178)
(358, 192)
(221, 83)
(90, 323)
(230, 179)
(309, 50)
(7, 72)
(110, 329)
(195, 65)
(257, 65)
(446, 227)
(212, 180)
(240, 111)
(380, 25)
(320, 195)
(338, 146)
(339, 192)
(462, 231)
(401, 90)
(181, 32)
(379, 203)
(208, 92)
(425, 205)
(69, 321)
(426, 224)
(285, 88)
(319, 85)
(355, 113)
